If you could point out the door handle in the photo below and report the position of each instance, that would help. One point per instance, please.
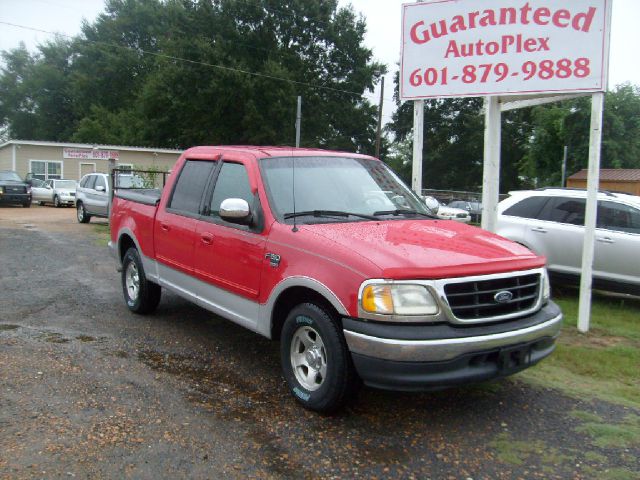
(206, 239)
(539, 230)
(164, 227)
(605, 240)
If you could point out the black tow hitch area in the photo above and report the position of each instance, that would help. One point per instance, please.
(513, 359)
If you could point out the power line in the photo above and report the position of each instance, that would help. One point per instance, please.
(193, 62)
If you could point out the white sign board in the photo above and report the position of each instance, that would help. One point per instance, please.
(90, 154)
(469, 48)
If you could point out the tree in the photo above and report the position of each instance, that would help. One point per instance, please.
(243, 64)
(568, 123)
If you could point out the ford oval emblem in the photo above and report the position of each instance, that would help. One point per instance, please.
(504, 296)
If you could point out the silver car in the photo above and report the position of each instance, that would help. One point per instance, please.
(57, 192)
(92, 197)
(551, 223)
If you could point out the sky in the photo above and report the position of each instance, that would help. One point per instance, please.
(383, 32)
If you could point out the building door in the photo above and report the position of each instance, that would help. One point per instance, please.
(87, 168)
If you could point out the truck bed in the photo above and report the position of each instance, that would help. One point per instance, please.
(146, 196)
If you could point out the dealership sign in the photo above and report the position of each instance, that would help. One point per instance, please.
(90, 154)
(496, 47)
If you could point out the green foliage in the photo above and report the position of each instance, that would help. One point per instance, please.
(119, 82)
(533, 140)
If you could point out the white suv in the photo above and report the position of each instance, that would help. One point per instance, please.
(551, 223)
(92, 197)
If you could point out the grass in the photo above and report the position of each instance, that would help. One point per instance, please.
(602, 364)
(609, 435)
(102, 233)
(518, 452)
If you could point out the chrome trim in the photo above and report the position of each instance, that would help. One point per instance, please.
(436, 288)
(446, 349)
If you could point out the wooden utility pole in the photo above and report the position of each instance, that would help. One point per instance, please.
(380, 118)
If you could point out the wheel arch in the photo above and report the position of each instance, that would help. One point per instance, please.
(126, 240)
(294, 291)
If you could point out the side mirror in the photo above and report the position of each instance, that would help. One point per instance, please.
(235, 210)
(432, 204)
(100, 188)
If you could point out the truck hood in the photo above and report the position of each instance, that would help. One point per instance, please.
(428, 249)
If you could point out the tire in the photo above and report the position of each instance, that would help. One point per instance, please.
(141, 295)
(27, 205)
(81, 214)
(316, 362)
(56, 201)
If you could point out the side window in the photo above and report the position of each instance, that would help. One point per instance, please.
(527, 208)
(91, 182)
(190, 186)
(564, 210)
(233, 182)
(618, 217)
(100, 182)
(49, 183)
(83, 181)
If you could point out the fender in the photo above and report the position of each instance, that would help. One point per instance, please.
(149, 265)
(266, 311)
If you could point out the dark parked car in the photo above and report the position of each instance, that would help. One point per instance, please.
(13, 189)
(474, 209)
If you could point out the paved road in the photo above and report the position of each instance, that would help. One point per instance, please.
(89, 390)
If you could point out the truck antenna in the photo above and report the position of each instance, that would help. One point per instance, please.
(293, 189)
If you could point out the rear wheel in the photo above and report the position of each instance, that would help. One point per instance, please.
(140, 295)
(81, 213)
(315, 359)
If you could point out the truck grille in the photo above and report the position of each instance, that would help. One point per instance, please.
(13, 189)
(476, 300)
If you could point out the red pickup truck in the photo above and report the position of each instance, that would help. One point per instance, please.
(334, 256)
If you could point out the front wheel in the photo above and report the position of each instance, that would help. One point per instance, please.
(27, 205)
(315, 359)
(56, 201)
(83, 216)
(140, 295)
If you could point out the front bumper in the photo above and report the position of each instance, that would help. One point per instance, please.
(12, 198)
(67, 199)
(466, 355)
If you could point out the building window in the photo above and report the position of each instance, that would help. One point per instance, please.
(45, 169)
(124, 166)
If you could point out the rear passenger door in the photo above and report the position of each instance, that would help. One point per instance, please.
(617, 242)
(175, 223)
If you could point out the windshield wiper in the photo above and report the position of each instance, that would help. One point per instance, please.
(402, 212)
(327, 213)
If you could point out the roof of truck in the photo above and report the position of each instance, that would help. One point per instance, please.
(271, 151)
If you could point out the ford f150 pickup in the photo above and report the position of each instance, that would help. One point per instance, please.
(334, 256)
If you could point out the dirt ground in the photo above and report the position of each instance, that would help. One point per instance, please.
(89, 390)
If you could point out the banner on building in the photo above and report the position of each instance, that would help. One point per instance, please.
(90, 154)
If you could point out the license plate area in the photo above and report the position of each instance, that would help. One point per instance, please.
(513, 359)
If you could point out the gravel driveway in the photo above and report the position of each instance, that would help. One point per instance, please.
(89, 390)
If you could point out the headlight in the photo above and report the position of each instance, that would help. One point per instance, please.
(546, 287)
(1, 190)
(398, 299)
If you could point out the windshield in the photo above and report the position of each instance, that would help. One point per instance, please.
(65, 184)
(337, 184)
(10, 176)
